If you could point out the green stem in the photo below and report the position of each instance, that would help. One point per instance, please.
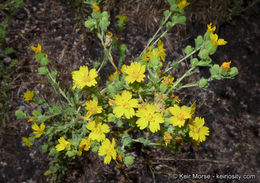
(60, 90)
(160, 36)
(188, 85)
(180, 79)
(154, 36)
(150, 144)
(184, 58)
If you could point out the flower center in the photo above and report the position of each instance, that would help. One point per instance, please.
(125, 104)
(181, 117)
(93, 110)
(87, 79)
(98, 130)
(136, 75)
(196, 130)
(149, 117)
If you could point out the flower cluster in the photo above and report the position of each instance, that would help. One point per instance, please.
(138, 103)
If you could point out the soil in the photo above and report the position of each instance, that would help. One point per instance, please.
(230, 107)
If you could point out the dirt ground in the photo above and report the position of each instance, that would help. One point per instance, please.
(230, 107)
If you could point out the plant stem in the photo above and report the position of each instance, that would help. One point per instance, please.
(188, 85)
(60, 90)
(180, 79)
(184, 58)
(154, 36)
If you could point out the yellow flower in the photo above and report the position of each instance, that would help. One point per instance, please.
(83, 77)
(179, 140)
(226, 65)
(123, 68)
(28, 95)
(37, 49)
(109, 34)
(125, 105)
(97, 129)
(38, 130)
(168, 80)
(180, 114)
(125, 18)
(162, 53)
(135, 72)
(150, 48)
(182, 4)
(107, 149)
(167, 138)
(211, 29)
(111, 102)
(145, 58)
(149, 116)
(176, 98)
(198, 132)
(112, 76)
(153, 53)
(93, 108)
(215, 41)
(63, 144)
(27, 142)
(84, 144)
(96, 8)
(30, 120)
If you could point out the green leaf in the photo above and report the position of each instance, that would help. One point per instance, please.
(174, 64)
(42, 70)
(203, 83)
(54, 74)
(204, 63)
(233, 72)
(90, 24)
(39, 56)
(20, 114)
(171, 2)
(155, 63)
(198, 41)
(95, 148)
(128, 160)
(112, 90)
(169, 25)
(104, 22)
(75, 140)
(96, 64)
(44, 148)
(210, 47)
(166, 13)
(44, 61)
(126, 140)
(53, 152)
(194, 62)
(36, 113)
(181, 19)
(163, 87)
(173, 7)
(122, 49)
(41, 118)
(70, 153)
(144, 141)
(214, 70)
(204, 54)
(188, 49)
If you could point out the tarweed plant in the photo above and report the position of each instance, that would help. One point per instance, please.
(138, 98)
